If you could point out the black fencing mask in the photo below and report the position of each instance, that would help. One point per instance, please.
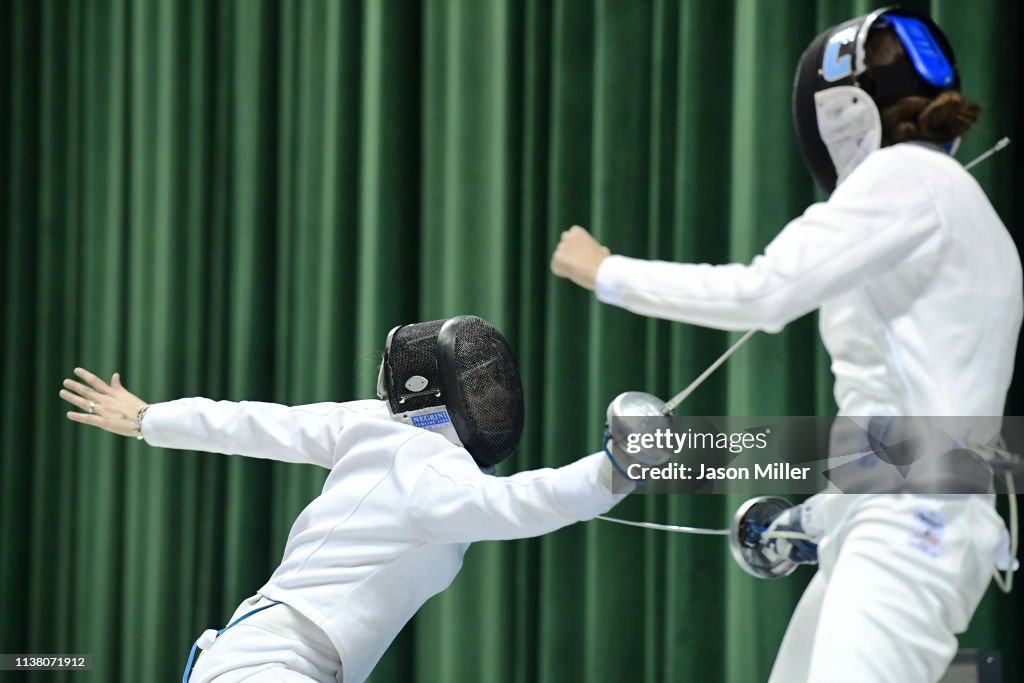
(456, 377)
(836, 95)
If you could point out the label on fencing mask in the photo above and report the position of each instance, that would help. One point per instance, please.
(434, 419)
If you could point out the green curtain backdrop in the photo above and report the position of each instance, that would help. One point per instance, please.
(237, 199)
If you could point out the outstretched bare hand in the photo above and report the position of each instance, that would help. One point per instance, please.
(108, 406)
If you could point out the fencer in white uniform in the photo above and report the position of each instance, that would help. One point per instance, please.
(918, 288)
(397, 512)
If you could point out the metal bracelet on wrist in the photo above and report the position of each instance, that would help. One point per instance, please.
(138, 421)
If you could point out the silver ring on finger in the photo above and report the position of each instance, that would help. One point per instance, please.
(92, 407)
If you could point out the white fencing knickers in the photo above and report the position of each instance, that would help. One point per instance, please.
(277, 644)
(898, 578)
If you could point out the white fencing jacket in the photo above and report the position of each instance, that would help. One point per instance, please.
(917, 281)
(397, 512)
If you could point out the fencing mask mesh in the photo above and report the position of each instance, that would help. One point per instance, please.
(456, 375)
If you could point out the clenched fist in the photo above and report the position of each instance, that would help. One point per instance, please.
(578, 256)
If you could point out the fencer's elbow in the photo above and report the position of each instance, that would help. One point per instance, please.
(772, 313)
(760, 298)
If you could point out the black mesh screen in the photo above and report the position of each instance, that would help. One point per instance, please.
(490, 389)
(469, 368)
(413, 351)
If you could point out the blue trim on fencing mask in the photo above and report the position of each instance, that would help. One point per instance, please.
(925, 54)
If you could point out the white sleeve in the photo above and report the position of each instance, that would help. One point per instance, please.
(875, 220)
(300, 434)
(454, 502)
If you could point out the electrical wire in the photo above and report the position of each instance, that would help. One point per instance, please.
(1005, 582)
(651, 525)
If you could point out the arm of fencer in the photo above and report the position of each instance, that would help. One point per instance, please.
(880, 217)
(454, 502)
(299, 434)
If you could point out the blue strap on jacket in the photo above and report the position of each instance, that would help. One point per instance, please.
(195, 645)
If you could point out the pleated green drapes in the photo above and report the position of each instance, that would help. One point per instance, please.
(237, 199)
